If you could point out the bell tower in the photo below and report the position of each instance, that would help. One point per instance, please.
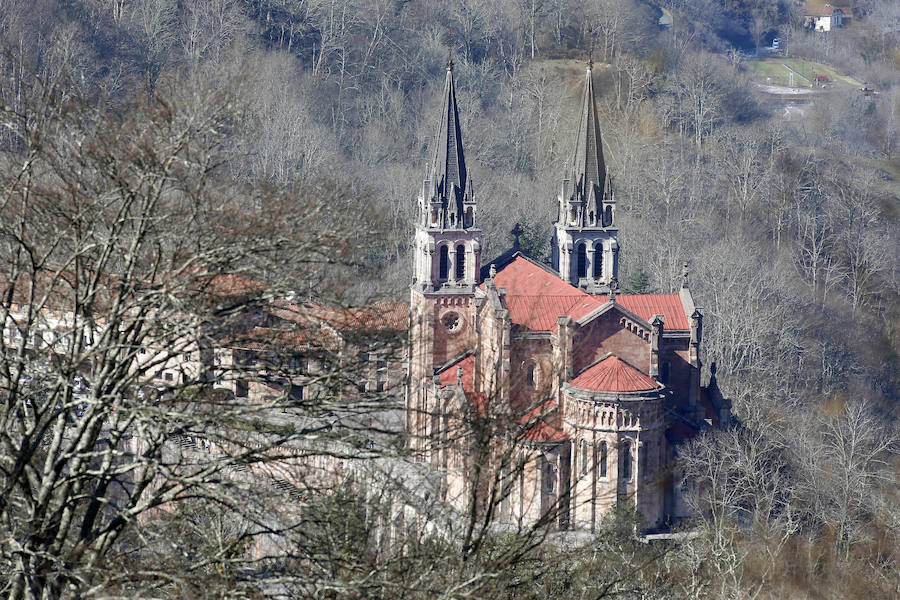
(447, 263)
(585, 250)
(447, 243)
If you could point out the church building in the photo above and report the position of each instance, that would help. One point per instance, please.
(537, 390)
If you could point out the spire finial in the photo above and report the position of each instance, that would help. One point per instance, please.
(613, 286)
(450, 50)
(684, 275)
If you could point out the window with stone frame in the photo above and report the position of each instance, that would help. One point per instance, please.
(627, 467)
(603, 459)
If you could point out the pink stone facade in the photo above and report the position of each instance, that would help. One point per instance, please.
(538, 392)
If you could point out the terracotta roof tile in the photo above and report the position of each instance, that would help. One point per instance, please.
(647, 305)
(538, 426)
(544, 432)
(448, 373)
(536, 297)
(379, 316)
(613, 374)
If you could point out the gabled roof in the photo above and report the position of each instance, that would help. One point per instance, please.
(667, 305)
(609, 306)
(538, 425)
(612, 374)
(536, 297)
(448, 373)
(543, 432)
(376, 317)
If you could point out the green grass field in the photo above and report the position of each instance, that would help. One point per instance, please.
(772, 70)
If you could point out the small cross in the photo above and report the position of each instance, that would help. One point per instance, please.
(517, 231)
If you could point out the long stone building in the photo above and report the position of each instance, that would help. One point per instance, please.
(586, 392)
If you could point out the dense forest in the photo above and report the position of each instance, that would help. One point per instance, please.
(787, 214)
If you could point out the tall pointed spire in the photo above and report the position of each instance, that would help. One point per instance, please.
(588, 167)
(447, 245)
(448, 171)
(584, 247)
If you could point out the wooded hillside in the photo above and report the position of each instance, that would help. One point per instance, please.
(785, 206)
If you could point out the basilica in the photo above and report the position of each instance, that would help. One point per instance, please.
(541, 392)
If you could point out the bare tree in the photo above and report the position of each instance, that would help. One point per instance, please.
(124, 243)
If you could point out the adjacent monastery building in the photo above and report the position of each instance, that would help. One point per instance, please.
(587, 391)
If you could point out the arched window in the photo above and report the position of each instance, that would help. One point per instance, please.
(591, 218)
(598, 262)
(582, 261)
(434, 217)
(460, 262)
(445, 263)
(470, 217)
(626, 460)
(603, 459)
(531, 376)
(607, 216)
(584, 457)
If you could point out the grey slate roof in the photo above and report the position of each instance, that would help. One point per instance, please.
(448, 173)
(588, 181)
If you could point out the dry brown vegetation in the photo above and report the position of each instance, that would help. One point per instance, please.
(285, 140)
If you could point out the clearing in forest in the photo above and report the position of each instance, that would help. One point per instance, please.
(775, 70)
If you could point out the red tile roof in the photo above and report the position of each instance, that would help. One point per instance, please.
(379, 316)
(538, 427)
(543, 432)
(647, 305)
(521, 277)
(537, 297)
(448, 373)
(539, 313)
(613, 374)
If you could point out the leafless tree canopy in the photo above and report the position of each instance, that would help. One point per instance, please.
(173, 174)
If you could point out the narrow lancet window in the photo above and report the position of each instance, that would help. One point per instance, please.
(603, 459)
(626, 460)
(582, 261)
(460, 262)
(445, 263)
